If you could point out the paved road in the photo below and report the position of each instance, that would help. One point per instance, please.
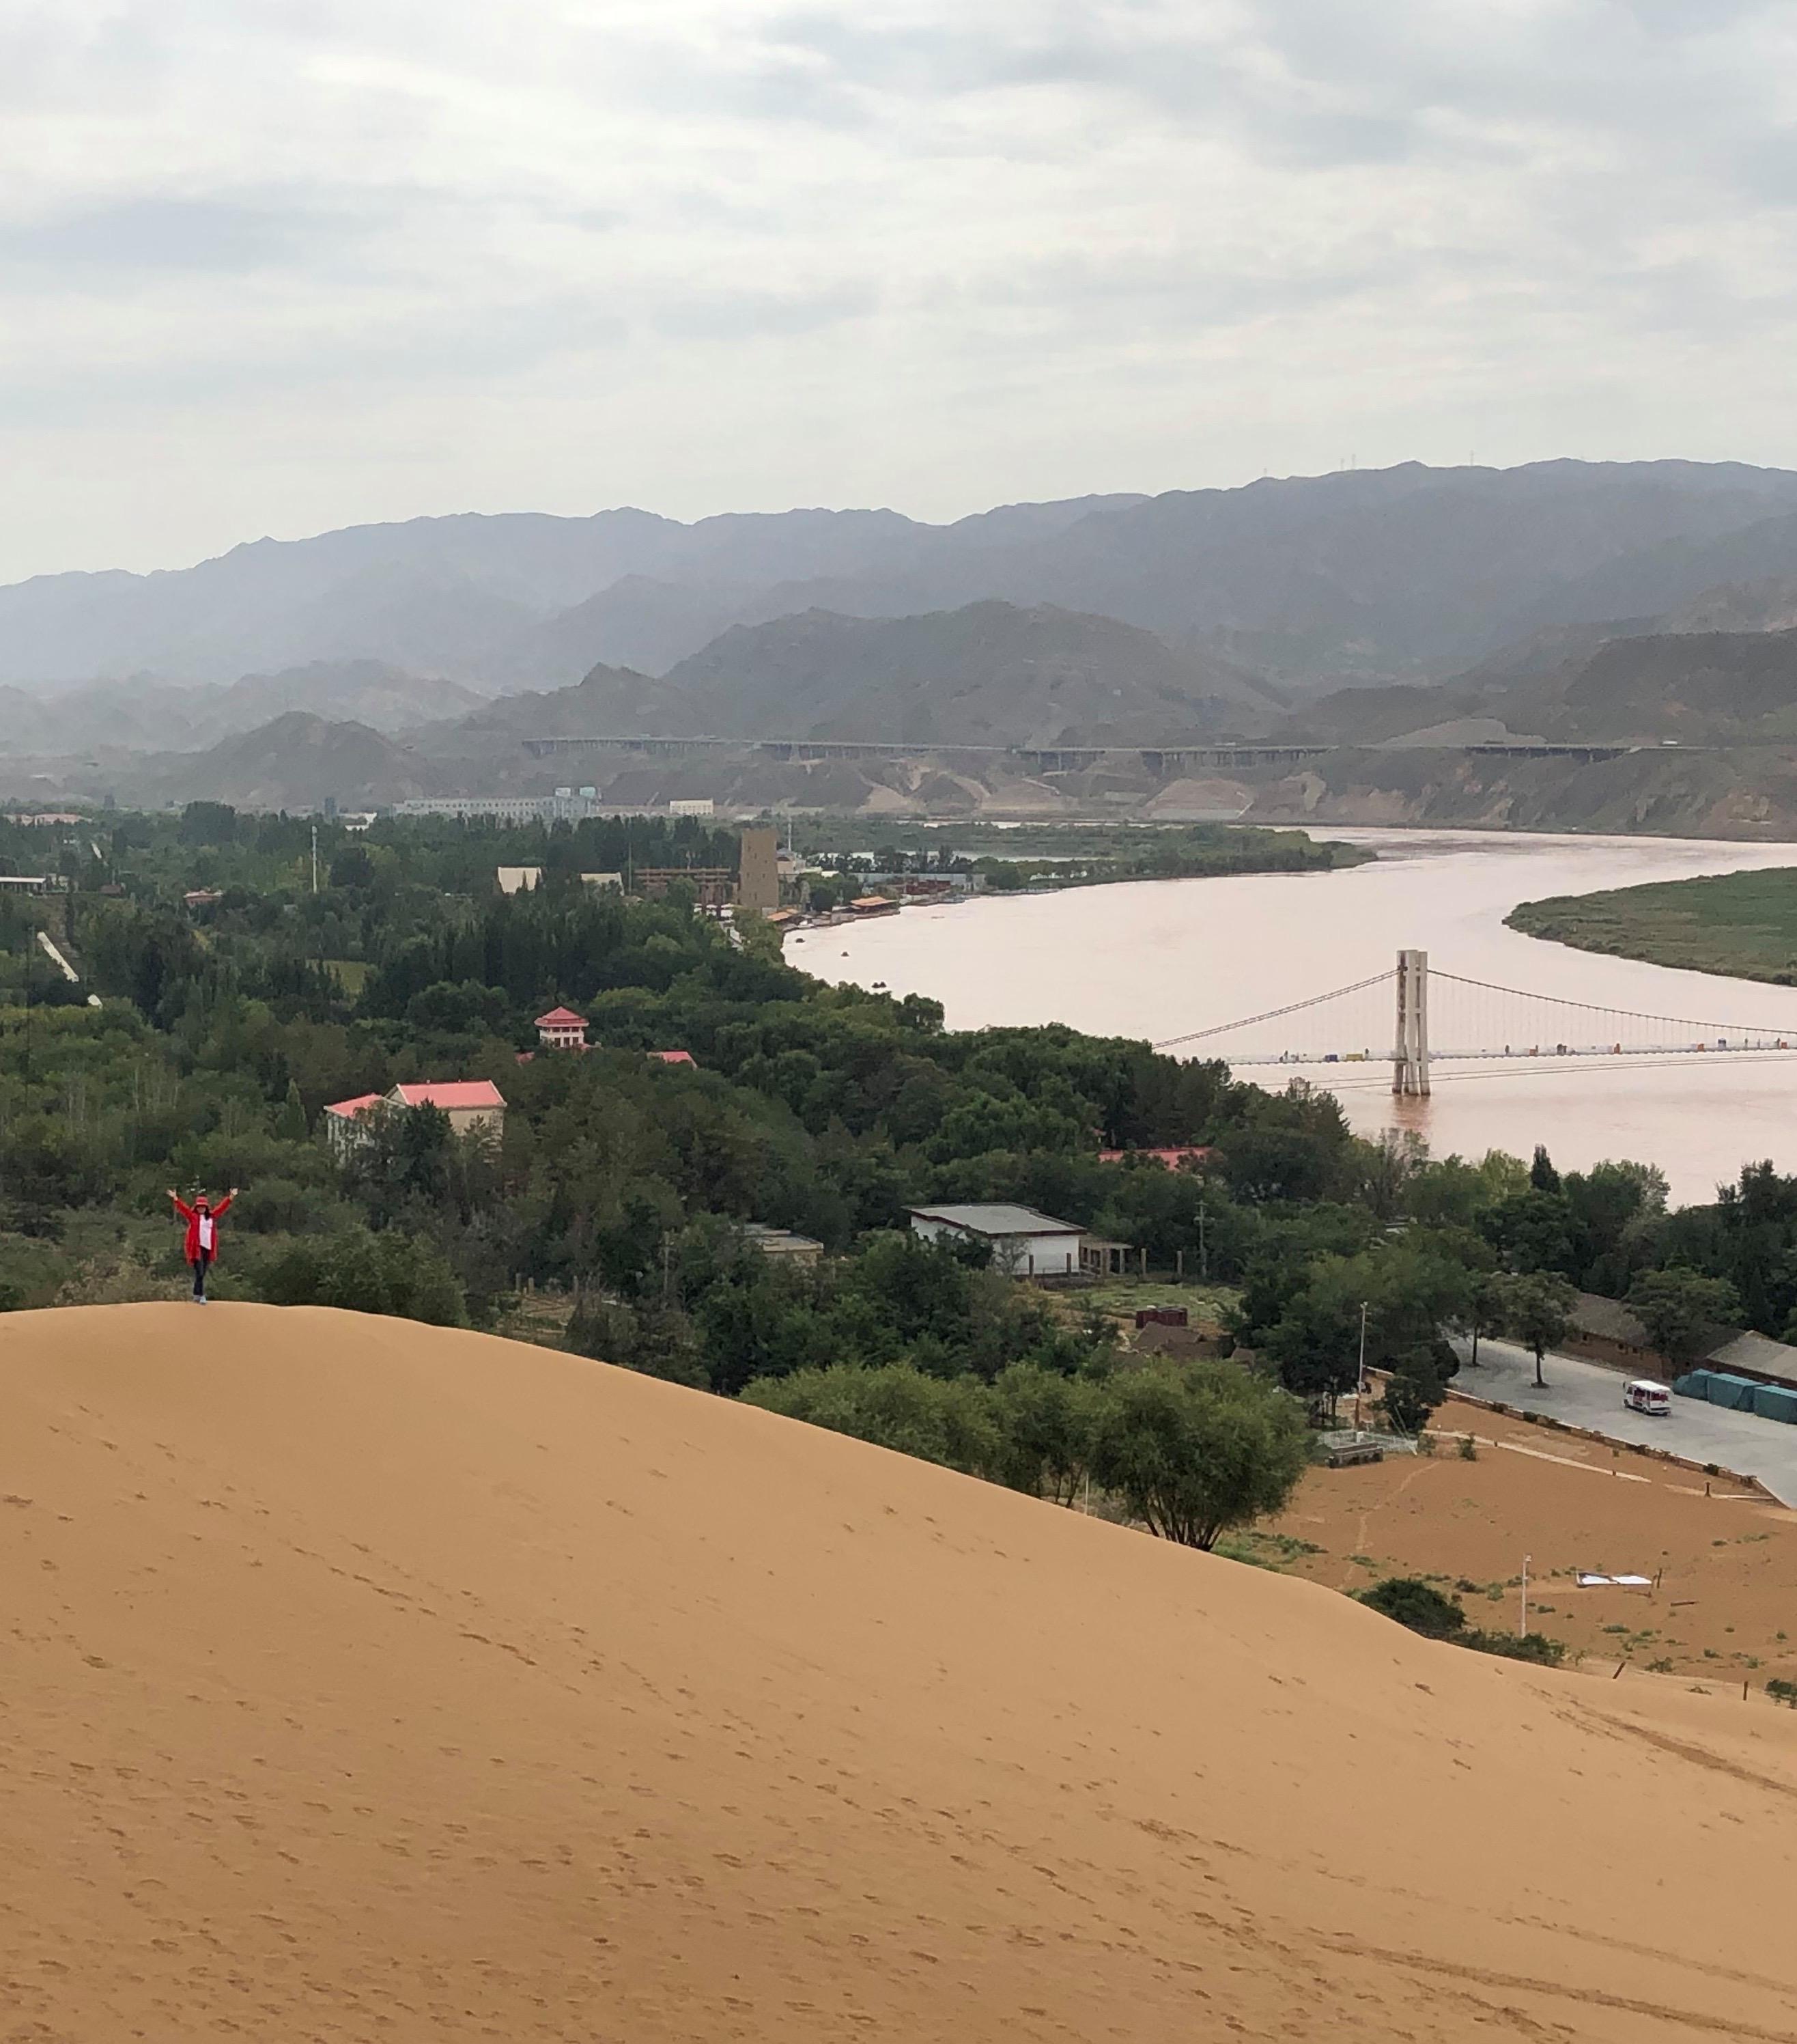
(1588, 1395)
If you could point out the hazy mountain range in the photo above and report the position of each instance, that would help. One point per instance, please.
(1368, 574)
(1408, 607)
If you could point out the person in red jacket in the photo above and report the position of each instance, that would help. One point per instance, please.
(202, 1219)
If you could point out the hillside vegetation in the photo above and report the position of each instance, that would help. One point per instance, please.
(1744, 924)
(453, 1688)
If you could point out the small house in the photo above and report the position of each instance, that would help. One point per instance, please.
(470, 1104)
(1024, 1243)
(561, 1029)
(780, 1244)
(343, 1120)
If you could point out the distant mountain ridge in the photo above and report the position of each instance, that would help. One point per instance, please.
(1374, 576)
(1639, 686)
(989, 673)
(143, 714)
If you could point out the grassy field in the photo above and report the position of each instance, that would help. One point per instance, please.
(349, 973)
(1744, 924)
(1124, 1295)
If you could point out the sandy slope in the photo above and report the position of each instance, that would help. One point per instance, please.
(364, 1681)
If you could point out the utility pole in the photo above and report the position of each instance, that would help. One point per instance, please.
(1360, 1380)
(1203, 1252)
(1522, 1629)
(315, 859)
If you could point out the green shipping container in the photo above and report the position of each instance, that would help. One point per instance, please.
(1694, 1384)
(1774, 1401)
(1736, 1392)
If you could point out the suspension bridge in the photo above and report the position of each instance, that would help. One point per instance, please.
(1437, 1017)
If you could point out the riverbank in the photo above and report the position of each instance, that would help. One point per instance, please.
(1742, 925)
(919, 861)
(1746, 792)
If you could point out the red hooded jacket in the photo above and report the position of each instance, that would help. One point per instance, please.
(190, 1215)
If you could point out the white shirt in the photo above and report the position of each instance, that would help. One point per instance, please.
(206, 1230)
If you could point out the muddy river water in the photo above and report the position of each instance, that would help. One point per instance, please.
(1163, 959)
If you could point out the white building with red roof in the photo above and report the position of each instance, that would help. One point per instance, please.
(470, 1104)
(561, 1029)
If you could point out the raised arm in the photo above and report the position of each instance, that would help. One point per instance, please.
(218, 1210)
(181, 1206)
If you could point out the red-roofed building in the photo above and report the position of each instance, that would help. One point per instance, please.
(561, 1029)
(675, 1057)
(470, 1103)
(1188, 1153)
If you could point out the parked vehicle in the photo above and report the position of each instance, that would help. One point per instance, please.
(1642, 1394)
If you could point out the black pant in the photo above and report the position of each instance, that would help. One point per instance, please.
(200, 1263)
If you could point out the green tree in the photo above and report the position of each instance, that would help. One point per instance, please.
(1481, 1310)
(1193, 1451)
(894, 1407)
(1417, 1605)
(1536, 1309)
(655, 1340)
(390, 1273)
(1681, 1311)
(290, 1124)
(1045, 1424)
(1416, 1386)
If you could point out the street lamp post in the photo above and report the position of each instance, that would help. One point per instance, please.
(1360, 1378)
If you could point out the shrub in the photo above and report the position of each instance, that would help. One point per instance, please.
(1419, 1605)
(1518, 1646)
(949, 1422)
(405, 1275)
(656, 1341)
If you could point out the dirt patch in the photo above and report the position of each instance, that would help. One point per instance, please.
(1723, 1606)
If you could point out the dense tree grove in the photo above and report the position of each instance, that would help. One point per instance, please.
(222, 1000)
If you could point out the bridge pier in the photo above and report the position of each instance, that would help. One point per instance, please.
(1410, 1053)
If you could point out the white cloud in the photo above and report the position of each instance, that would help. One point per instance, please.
(278, 268)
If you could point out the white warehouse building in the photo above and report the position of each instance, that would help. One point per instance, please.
(1024, 1243)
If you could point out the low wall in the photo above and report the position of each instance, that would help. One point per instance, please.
(1558, 1426)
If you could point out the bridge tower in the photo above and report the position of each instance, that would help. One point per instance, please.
(1409, 1055)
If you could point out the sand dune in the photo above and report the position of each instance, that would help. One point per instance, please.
(361, 1681)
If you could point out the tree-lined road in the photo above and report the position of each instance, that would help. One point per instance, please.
(1588, 1394)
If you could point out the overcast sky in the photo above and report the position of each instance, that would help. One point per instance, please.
(281, 266)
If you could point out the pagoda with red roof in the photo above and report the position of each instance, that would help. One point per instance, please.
(561, 1029)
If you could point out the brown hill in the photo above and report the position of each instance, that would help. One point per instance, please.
(1682, 685)
(989, 673)
(295, 761)
(368, 1681)
(611, 702)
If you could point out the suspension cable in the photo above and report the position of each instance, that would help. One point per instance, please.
(1631, 1014)
(1272, 1014)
